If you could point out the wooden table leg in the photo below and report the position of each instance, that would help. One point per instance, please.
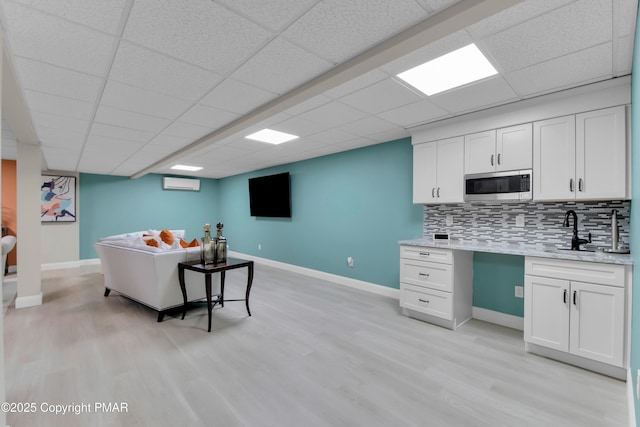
(249, 282)
(183, 289)
(207, 287)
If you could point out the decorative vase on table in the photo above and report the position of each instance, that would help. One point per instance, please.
(221, 245)
(208, 247)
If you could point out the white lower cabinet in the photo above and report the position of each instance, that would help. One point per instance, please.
(436, 284)
(577, 308)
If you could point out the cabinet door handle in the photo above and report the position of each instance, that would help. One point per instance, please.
(580, 185)
(424, 254)
(433, 192)
(498, 158)
(423, 300)
(423, 274)
(438, 192)
(574, 297)
(492, 160)
(571, 185)
(564, 297)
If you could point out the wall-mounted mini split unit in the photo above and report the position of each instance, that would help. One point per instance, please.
(185, 184)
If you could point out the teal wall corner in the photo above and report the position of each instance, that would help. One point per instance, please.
(494, 279)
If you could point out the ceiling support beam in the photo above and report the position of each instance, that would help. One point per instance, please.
(448, 21)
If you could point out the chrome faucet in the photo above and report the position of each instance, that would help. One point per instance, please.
(575, 240)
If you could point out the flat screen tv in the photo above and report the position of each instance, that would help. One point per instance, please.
(270, 196)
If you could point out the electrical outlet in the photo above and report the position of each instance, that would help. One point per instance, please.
(259, 246)
(520, 220)
(448, 219)
(519, 291)
(350, 262)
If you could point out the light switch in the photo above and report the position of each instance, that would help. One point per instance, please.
(449, 220)
(520, 220)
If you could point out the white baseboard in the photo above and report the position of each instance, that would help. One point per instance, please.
(631, 401)
(341, 280)
(508, 320)
(92, 264)
(30, 301)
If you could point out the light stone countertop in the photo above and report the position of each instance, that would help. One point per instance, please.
(544, 251)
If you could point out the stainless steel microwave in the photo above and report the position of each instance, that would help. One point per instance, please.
(509, 185)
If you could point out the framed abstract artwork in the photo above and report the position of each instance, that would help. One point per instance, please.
(58, 198)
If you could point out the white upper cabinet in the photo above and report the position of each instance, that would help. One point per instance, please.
(581, 157)
(498, 150)
(438, 171)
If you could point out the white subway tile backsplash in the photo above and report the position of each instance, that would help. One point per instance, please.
(496, 222)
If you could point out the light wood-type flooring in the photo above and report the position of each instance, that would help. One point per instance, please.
(313, 354)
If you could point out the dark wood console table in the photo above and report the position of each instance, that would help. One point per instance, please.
(208, 270)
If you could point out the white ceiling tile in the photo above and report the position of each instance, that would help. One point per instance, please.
(137, 66)
(117, 132)
(105, 143)
(47, 103)
(625, 13)
(333, 114)
(521, 12)
(47, 78)
(273, 14)
(142, 101)
(309, 104)
(187, 130)
(389, 135)
(298, 126)
(128, 119)
(200, 32)
(489, 92)
(210, 117)
(368, 126)
(280, 67)
(60, 158)
(355, 143)
(332, 136)
(584, 66)
(38, 36)
(338, 30)
(413, 114)
(60, 138)
(55, 121)
(103, 15)
(356, 84)
(169, 141)
(552, 35)
(383, 96)
(237, 97)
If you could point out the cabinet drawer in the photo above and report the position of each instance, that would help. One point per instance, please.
(427, 301)
(590, 272)
(427, 254)
(427, 274)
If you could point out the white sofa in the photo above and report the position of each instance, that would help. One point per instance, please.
(147, 274)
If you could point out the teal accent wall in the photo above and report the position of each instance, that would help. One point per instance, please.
(635, 220)
(356, 203)
(114, 204)
(494, 278)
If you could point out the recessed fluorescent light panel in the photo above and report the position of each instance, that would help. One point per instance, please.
(271, 136)
(186, 168)
(457, 68)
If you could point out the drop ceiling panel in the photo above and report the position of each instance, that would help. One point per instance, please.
(338, 30)
(208, 116)
(168, 142)
(47, 103)
(298, 126)
(309, 104)
(585, 66)
(47, 78)
(128, 119)
(55, 121)
(38, 36)
(60, 138)
(272, 14)
(281, 66)
(142, 101)
(60, 158)
(369, 126)
(356, 84)
(489, 92)
(101, 15)
(332, 136)
(187, 130)
(333, 114)
(413, 114)
(117, 132)
(150, 70)
(383, 96)
(200, 32)
(237, 97)
(552, 35)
